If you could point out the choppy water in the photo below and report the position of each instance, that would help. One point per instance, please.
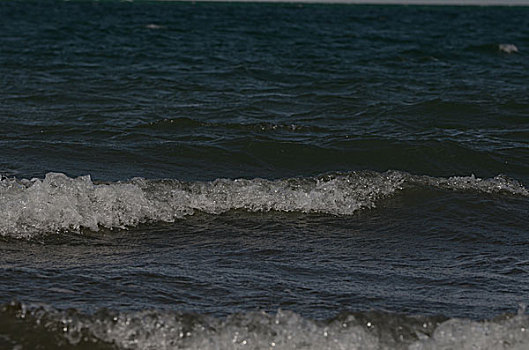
(177, 175)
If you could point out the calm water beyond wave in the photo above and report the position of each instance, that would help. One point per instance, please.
(263, 176)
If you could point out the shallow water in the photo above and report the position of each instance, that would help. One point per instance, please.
(179, 175)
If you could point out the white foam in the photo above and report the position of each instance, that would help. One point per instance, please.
(58, 202)
(508, 48)
(497, 184)
(509, 333)
(281, 330)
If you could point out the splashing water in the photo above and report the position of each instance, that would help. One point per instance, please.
(58, 202)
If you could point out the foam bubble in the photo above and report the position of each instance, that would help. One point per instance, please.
(58, 202)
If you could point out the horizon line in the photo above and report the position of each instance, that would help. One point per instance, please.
(506, 3)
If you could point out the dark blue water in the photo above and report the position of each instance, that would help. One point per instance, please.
(216, 175)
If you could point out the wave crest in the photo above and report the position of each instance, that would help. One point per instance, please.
(58, 202)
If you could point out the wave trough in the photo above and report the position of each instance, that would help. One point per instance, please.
(58, 202)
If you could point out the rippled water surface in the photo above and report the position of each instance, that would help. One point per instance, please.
(221, 175)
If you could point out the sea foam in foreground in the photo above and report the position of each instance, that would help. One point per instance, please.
(30, 326)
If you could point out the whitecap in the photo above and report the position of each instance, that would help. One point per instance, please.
(508, 48)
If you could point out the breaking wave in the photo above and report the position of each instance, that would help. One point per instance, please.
(58, 202)
(24, 326)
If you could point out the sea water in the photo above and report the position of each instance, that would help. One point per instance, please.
(263, 176)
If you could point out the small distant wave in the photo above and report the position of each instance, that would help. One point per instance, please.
(508, 48)
(154, 26)
(183, 122)
(45, 327)
(61, 203)
(495, 48)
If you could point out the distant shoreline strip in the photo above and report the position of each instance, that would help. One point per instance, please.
(505, 3)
